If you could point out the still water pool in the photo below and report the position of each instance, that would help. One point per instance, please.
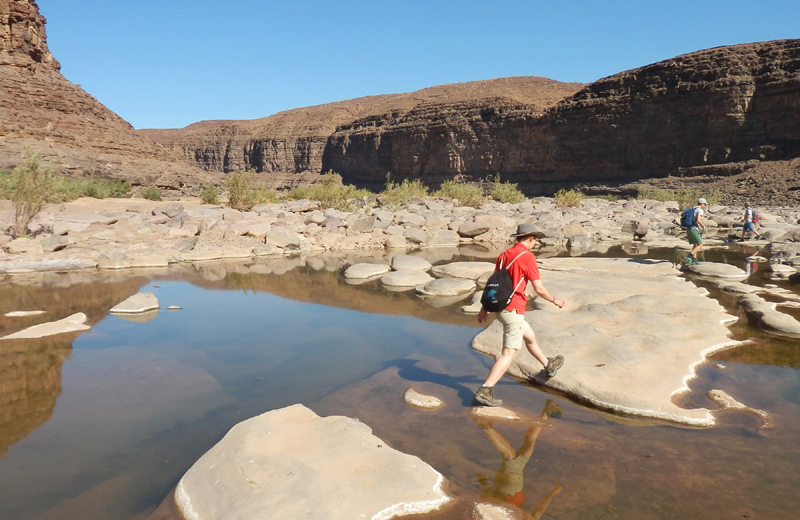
(102, 425)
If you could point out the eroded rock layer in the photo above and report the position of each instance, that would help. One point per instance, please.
(299, 140)
(712, 107)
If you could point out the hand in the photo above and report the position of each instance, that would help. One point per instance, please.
(559, 302)
(482, 316)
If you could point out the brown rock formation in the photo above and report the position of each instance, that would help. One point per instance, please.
(713, 107)
(724, 116)
(73, 132)
(295, 141)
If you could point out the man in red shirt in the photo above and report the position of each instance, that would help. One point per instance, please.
(521, 265)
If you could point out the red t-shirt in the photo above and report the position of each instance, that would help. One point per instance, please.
(524, 267)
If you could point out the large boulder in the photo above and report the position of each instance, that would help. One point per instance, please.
(406, 278)
(465, 270)
(446, 287)
(291, 463)
(408, 262)
(365, 270)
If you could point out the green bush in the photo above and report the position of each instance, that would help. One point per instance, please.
(71, 189)
(568, 198)
(399, 194)
(467, 194)
(209, 195)
(265, 196)
(330, 192)
(241, 192)
(506, 192)
(151, 193)
(29, 187)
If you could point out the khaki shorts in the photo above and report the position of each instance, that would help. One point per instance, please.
(514, 326)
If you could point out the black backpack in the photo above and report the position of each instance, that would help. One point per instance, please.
(499, 288)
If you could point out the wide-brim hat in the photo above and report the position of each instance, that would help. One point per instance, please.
(528, 228)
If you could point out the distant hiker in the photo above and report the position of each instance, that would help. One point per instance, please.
(521, 266)
(750, 219)
(692, 220)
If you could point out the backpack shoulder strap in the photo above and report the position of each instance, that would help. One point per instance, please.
(515, 258)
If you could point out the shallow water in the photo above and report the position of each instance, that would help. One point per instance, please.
(103, 424)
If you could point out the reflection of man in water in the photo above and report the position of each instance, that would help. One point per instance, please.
(508, 480)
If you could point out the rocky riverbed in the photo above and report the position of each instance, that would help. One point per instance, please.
(634, 330)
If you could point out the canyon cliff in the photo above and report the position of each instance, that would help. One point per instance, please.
(710, 111)
(296, 141)
(73, 132)
(724, 114)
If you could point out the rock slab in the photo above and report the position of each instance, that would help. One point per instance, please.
(291, 463)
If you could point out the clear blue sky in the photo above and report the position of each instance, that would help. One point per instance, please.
(169, 63)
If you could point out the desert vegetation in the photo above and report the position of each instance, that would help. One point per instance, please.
(568, 198)
(685, 197)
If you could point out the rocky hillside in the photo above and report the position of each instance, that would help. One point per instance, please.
(720, 111)
(297, 140)
(42, 110)
(726, 117)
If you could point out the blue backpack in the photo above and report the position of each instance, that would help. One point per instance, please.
(688, 218)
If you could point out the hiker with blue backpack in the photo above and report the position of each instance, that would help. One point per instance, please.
(692, 222)
(504, 294)
(750, 219)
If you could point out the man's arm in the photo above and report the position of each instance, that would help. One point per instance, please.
(542, 291)
(700, 222)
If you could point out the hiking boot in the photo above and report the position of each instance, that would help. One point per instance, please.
(695, 262)
(553, 364)
(485, 397)
(688, 259)
(551, 409)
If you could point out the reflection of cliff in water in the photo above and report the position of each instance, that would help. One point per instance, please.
(30, 370)
(30, 382)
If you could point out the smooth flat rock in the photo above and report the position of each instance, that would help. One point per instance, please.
(140, 302)
(406, 278)
(21, 314)
(408, 262)
(632, 334)
(465, 270)
(291, 463)
(76, 322)
(729, 403)
(475, 306)
(446, 287)
(764, 315)
(497, 413)
(717, 270)
(422, 401)
(365, 271)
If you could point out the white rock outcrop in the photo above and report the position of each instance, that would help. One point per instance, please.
(138, 303)
(74, 323)
(632, 334)
(291, 463)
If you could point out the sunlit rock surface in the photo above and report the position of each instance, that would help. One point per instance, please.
(421, 401)
(729, 403)
(365, 271)
(632, 334)
(291, 463)
(73, 323)
(138, 303)
(465, 270)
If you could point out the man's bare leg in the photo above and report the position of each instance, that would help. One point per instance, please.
(500, 367)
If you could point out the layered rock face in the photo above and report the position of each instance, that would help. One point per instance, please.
(299, 140)
(712, 107)
(42, 110)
